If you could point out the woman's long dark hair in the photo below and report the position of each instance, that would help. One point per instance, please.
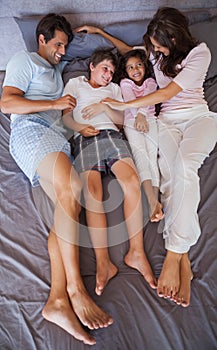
(169, 27)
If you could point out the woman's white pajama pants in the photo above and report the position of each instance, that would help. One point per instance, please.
(186, 137)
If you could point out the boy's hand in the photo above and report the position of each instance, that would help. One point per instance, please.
(141, 123)
(89, 131)
(91, 111)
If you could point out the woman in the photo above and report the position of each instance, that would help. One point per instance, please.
(180, 65)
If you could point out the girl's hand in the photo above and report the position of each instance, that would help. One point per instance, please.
(114, 104)
(89, 131)
(91, 111)
(141, 123)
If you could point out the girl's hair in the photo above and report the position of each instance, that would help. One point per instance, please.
(52, 22)
(169, 27)
(140, 54)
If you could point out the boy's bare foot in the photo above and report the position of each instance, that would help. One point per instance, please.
(137, 260)
(86, 310)
(183, 296)
(61, 313)
(169, 280)
(105, 271)
(156, 212)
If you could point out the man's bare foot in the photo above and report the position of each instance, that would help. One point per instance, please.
(169, 280)
(105, 271)
(183, 296)
(61, 313)
(156, 212)
(137, 260)
(86, 310)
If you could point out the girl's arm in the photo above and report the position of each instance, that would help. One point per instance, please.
(119, 44)
(159, 96)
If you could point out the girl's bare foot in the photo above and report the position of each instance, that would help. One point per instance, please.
(169, 280)
(137, 260)
(61, 313)
(87, 311)
(156, 212)
(183, 296)
(105, 271)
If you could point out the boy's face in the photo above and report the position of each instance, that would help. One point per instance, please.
(101, 74)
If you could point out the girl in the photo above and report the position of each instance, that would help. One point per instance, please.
(140, 125)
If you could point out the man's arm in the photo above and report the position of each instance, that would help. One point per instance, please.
(13, 101)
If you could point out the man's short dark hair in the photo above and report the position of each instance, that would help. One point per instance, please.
(52, 22)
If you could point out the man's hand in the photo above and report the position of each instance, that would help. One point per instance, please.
(65, 102)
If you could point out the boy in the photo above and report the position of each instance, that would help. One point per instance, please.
(98, 145)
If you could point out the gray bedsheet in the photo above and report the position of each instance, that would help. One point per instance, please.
(142, 320)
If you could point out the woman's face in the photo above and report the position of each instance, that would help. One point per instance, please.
(135, 70)
(158, 48)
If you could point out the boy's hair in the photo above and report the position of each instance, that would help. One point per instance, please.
(102, 54)
(140, 54)
(52, 22)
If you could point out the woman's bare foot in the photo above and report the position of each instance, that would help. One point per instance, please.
(60, 312)
(86, 310)
(169, 280)
(183, 296)
(105, 271)
(137, 260)
(156, 212)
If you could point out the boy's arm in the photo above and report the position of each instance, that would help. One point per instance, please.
(117, 117)
(83, 129)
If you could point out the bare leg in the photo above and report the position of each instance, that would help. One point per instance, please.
(63, 186)
(169, 280)
(183, 296)
(156, 213)
(58, 309)
(97, 225)
(126, 174)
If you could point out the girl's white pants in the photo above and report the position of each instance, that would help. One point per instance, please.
(144, 148)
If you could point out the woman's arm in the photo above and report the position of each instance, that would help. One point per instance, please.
(156, 97)
(119, 44)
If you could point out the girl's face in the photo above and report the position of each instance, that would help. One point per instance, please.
(135, 70)
(158, 48)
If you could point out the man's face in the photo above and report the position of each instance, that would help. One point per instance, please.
(54, 49)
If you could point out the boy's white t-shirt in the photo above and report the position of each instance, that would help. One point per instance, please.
(86, 95)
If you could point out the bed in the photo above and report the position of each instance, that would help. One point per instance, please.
(142, 319)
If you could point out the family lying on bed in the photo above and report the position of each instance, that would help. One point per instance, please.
(34, 95)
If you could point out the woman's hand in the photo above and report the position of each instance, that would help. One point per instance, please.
(141, 123)
(115, 104)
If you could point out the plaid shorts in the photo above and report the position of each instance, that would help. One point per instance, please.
(32, 138)
(100, 152)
